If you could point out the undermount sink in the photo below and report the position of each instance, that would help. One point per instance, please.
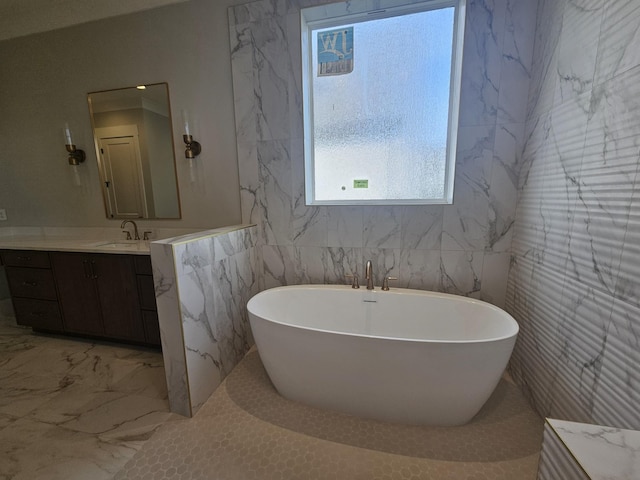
(116, 244)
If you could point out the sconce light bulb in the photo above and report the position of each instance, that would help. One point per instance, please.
(67, 135)
(185, 120)
(192, 171)
(77, 181)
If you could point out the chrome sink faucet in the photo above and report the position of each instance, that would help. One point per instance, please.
(135, 229)
(368, 273)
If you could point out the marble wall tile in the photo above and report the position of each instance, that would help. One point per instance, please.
(301, 244)
(168, 304)
(503, 194)
(385, 263)
(583, 329)
(601, 215)
(271, 65)
(382, 227)
(202, 312)
(561, 186)
(484, 34)
(419, 269)
(465, 223)
(545, 56)
(620, 34)
(517, 57)
(213, 302)
(251, 192)
(274, 162)
(619, 392)
(341, 262)
(578, 48)
(628, 269)
(310, 224)
(461, 273)
(277, 266)
(618, 127)
(421, 227)
(538, 347)
(243, 95)
(493, 283)
(345, 225)
(576, 220)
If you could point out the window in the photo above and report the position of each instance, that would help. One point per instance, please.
(381, 98)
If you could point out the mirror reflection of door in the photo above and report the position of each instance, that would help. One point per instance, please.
(121, 165)
(147, 187)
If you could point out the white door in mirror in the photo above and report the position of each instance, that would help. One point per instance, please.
(3, 214)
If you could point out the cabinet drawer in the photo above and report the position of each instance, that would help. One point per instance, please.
(25, 258)
(31, 283)
(42, 314)
(151, 327)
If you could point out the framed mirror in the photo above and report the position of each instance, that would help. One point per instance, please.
(134, 146)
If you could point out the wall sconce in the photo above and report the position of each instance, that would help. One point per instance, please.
(193, 148)
(76, 156)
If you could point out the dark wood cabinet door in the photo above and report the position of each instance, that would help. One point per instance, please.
(77, 293)
(117, 289)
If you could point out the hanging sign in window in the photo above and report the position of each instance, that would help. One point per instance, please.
(335, 52)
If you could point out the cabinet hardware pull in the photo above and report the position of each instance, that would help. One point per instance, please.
(26, 259)
(92, 265)
(85, 266)
(30, 284)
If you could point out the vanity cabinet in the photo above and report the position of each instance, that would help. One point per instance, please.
(147, 295)
(98, 295)
(108, 296)
(32, 288)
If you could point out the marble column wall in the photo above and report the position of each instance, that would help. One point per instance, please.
(203, 282)
(574, 283)
(462, 248)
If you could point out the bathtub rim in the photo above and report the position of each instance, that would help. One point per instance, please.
(514, 327)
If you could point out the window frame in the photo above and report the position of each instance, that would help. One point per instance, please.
(336, 14)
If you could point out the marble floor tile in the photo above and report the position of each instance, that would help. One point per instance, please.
(146, 380)
(75, 362)
(6, 420)
(75, 409)
(35, 450)
(111, 413)
(21, 393)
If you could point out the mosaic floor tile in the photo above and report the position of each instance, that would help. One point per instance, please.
(247, 431)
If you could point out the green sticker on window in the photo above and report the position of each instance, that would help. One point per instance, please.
(361, 184)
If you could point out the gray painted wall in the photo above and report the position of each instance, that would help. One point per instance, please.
(45, 79)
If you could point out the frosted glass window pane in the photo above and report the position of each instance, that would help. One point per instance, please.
(386, 121)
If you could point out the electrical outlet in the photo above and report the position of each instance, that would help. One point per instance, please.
(3, 214)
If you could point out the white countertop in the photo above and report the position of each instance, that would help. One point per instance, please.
(604, 453)
(97, 240)
(68, 244)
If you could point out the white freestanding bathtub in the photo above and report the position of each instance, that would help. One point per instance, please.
(408, 356)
